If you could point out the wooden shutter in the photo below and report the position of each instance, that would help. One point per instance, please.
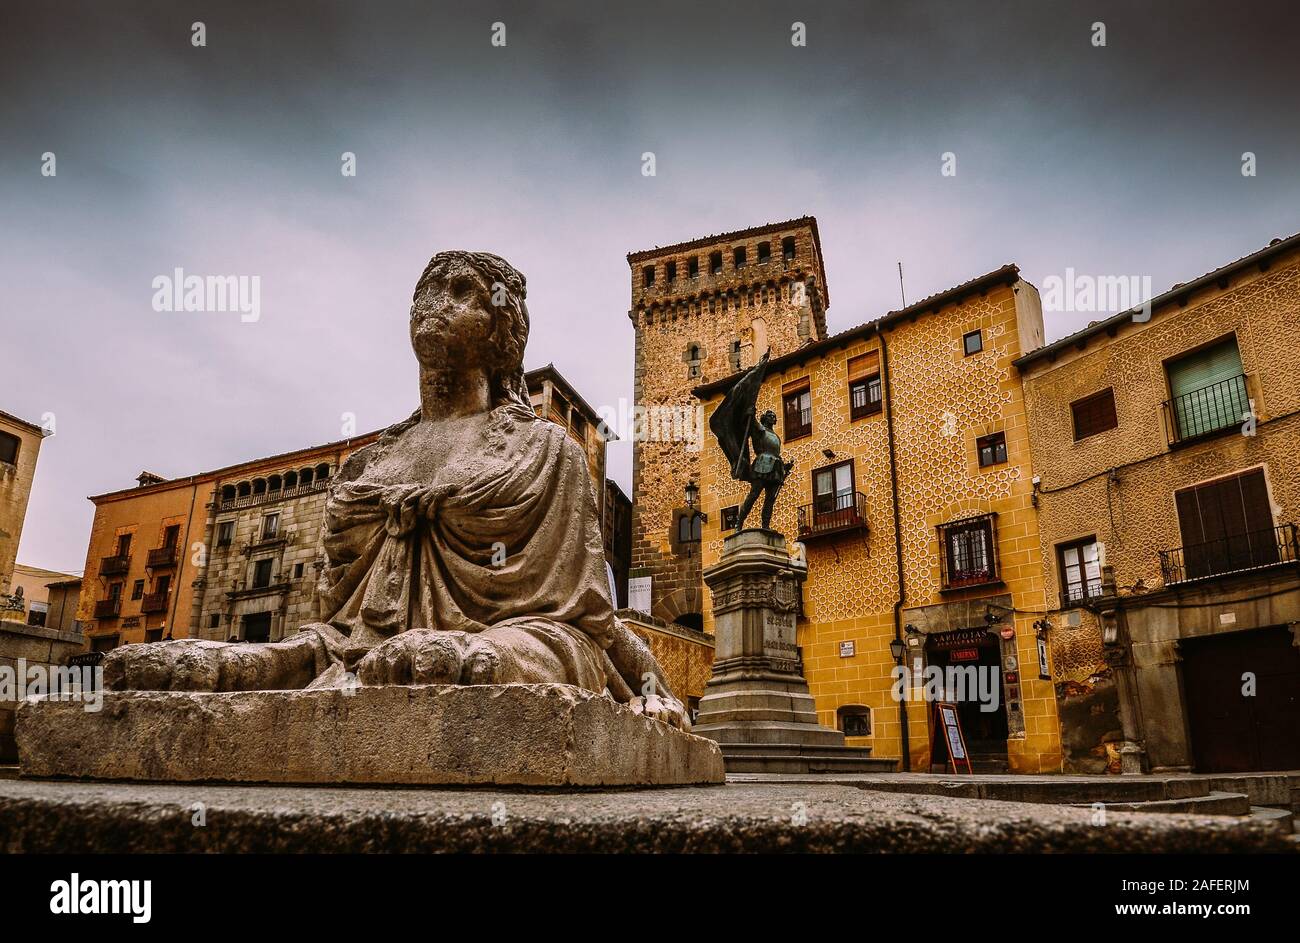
(1205, 368)
(864, 365)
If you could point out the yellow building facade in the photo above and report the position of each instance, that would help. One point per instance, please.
(911, 498)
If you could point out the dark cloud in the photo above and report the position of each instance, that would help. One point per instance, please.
(226, 160)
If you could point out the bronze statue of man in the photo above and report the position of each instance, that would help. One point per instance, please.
(463, 547)
(735, 427)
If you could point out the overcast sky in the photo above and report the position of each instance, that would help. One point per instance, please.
(1122, 159)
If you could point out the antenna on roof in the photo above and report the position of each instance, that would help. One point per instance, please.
(900, 284)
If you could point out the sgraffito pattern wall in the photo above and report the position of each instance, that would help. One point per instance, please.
(942, 402)
(1131, 510)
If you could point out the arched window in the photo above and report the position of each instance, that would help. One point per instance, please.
(305, 476)
(854, 720)
(291, 479)
(787, 248)
(274, 483)
(227, 493)
(259, 486)
(245, 489)
(322, 471)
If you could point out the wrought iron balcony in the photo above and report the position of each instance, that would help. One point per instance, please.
(1203, 412)
(114, 566)
(162, 557)
(833, 515)
(108, 608)
(155, 602)
(1237, 554)
(1080, 594)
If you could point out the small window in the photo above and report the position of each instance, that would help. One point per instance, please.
(297, 571)
(153, 635)
(715, 263)
(764, 253)
(270, 526)
(171, 535)
(730, 516)
(992, 449)
(123, 545)
(733, 355)
(137, 589)
(1080, 563)
(797, 407)
(1094, 414)
(855, 720)
(690, 527)
(968, 553)
(864, 397)
(225, 533)
(114, 590)
(262, 574)
(214, 620)
(162, 584)
(738, 257)
(9, 448)
(693, 267)
(787, 248)
(670, 272)
(648, 276)
(972, 343)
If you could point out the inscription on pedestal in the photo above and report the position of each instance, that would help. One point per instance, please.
(779, 641)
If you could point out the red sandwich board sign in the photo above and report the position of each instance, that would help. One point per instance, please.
(946, 724)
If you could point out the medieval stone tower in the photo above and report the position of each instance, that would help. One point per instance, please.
(703, 310)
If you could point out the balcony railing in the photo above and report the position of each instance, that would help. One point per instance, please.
(114, 566)
(162, 557)
(155, 602)
(108, 608)
(835, 515)
(1208, 410)
(1236, 554)
(1081, 594)
(249, 500)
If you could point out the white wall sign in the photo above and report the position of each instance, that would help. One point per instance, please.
(638, 593)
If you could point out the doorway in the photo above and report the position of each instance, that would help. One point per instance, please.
(257, 627)
(985, 730)
(1242, 691)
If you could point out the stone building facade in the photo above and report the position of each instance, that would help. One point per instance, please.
(703, 309)
(910, 498)
(20, 444)
(230, 553)
(1168, 453)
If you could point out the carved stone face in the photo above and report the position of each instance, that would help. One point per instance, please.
(452, 321)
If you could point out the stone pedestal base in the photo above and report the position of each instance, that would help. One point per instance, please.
(757, 705)
(507, 735)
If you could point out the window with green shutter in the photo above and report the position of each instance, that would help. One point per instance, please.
(1208, 390)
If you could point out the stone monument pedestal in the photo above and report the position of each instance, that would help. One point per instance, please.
(757, 706)
(436, 734)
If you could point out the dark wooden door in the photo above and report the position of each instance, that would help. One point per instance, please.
(1232, 731)
(1226, 525)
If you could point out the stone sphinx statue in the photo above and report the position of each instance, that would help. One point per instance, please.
(462, 547)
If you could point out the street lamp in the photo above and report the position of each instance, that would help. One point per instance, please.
(897, 648)
(692, 493)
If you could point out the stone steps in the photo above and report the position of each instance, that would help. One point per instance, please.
(1214, 803)
(799, 758)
